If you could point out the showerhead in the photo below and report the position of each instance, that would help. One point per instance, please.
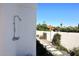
(17, 17)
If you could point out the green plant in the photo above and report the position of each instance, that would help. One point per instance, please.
(78, 26)
(74, 52)
(61, 48)
(56, 39)
(70, 29)
(42, 27)
(61, 24)
(56, 42)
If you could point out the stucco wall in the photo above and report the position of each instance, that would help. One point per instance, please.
(68, 40)
(26, 45)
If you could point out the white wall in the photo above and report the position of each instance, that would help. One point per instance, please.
(49, 34)
(68, 40)
(7, 46)
(25, 29)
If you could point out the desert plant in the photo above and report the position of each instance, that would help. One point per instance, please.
(56, 42)
(74, 52)
(56, 39)
(62, 48)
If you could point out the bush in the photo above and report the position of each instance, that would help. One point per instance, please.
(69, 29)
(56, 42)
(62, 48)
(74, 52)
(42, 27)
(56, 39)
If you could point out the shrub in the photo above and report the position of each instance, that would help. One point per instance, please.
(56, 39)
(42, 27)
(56, 42)
(69, 29)
(62, 48)
(74, 52)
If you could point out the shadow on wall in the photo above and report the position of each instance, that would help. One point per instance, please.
(44, 36)
(24, 54)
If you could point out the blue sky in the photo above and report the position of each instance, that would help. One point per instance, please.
(54, 14)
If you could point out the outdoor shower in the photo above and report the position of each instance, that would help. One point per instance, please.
(14, 19)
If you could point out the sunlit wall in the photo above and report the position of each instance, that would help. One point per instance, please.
(25, 29)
